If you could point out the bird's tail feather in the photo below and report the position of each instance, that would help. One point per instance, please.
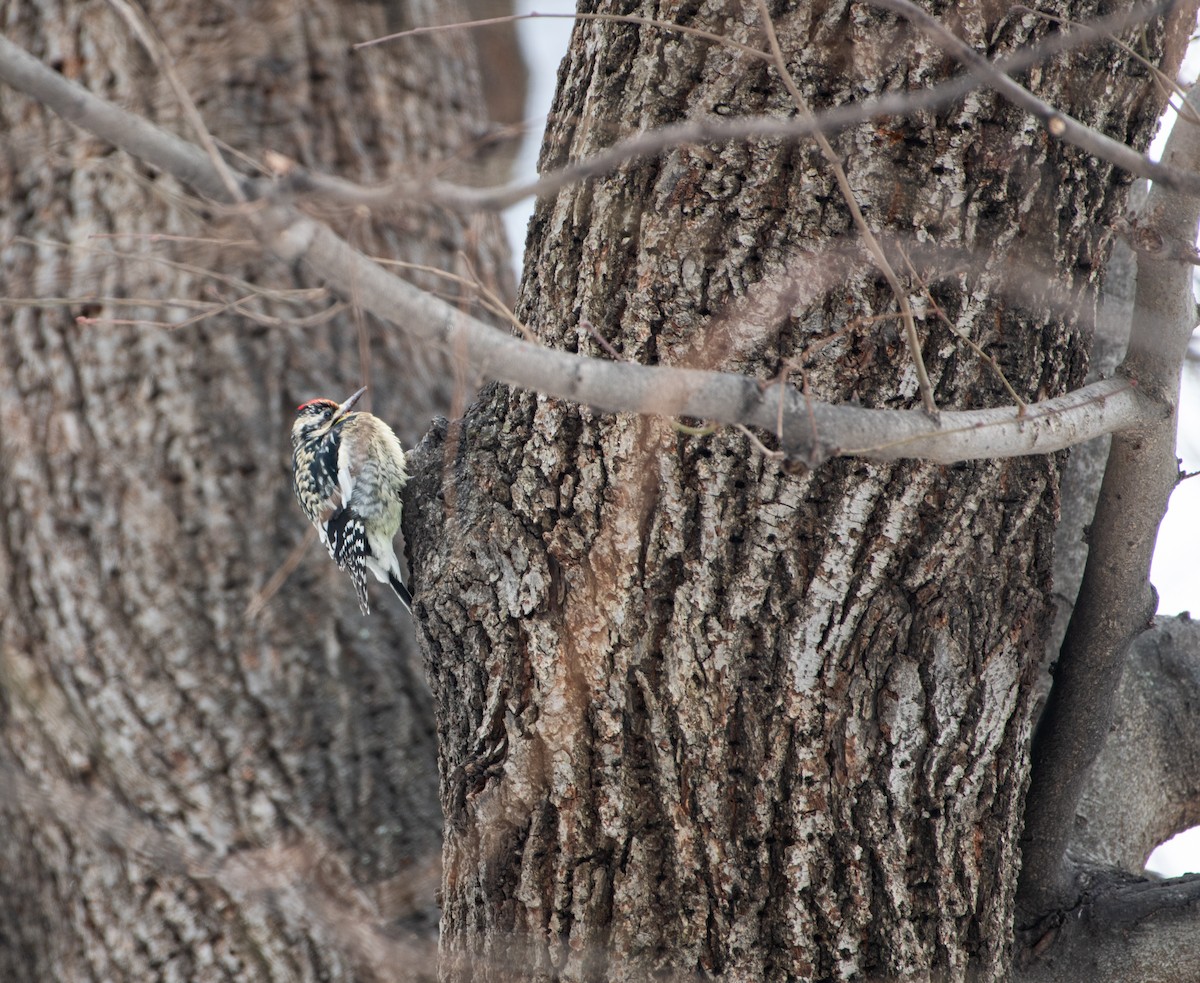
(401, 592)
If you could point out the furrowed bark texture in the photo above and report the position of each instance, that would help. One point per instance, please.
(189, 792)
(699, 714)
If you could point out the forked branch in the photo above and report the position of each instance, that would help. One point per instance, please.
(702, 130)
(810, 431)
(1115, 600)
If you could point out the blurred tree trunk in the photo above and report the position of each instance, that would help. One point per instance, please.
(506, 76)
(701, 714)
(192, 791)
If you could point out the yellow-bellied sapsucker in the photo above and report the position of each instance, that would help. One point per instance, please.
(348, 472)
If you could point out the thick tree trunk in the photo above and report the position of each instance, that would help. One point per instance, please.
(699, 713)
(193, 791)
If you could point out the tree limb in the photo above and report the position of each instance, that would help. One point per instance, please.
(133, 134)
(1145, 785)
(810, 431)
(1122, 931)
(1116, 601)
(1058, 124)
(693, 131)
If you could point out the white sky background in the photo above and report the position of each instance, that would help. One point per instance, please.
(1174, 572)
(543, 42)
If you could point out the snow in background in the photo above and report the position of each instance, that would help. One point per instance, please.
(1174, 572)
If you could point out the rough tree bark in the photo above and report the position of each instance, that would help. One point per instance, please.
(794, 823)
(700, 714)
(192, 792)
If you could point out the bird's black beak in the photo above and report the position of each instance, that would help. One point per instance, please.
(348, 405)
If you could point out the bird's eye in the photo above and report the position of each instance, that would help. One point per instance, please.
(325, 415)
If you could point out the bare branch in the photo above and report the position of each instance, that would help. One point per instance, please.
(133, 134)
(1121, 931)
(868, 234)
(720, 396)
(697, 131)
(811, 431)
(613, 18)
(1057, 123)
(136, 21)
(1115, 599)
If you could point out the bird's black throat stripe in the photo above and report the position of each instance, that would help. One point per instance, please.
(324, 464)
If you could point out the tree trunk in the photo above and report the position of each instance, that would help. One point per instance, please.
(700, 712)
(196, 786)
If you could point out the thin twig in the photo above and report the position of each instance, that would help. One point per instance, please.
(758, 445)
(860, 222)
(280, 576)
(313, 320)
(156, 237)
(213, 311)
(493, 302)
(51, 302)
(288, 295)
(356, 313)
(1058, 124)
(724, 397)
(164, 62)
(613, 18)
(487, 298)
(987, 359)
(603, 342)
(302, 295)
(697, 131)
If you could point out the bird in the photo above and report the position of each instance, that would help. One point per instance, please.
(348, 473)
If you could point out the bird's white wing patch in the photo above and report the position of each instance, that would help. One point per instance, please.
(346, 472)
(346, 484)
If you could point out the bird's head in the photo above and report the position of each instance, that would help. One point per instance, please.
(317, 417)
